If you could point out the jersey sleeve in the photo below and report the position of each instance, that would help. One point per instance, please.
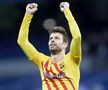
(30, 51)
(75, 47)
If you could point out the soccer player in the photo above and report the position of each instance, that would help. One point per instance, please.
(59, 71)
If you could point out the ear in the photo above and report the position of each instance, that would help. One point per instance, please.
(65, 45)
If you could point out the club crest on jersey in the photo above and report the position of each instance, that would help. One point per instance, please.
(49, 73)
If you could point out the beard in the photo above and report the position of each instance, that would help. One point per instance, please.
(55, 50)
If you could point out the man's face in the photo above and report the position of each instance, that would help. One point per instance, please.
(56, 42)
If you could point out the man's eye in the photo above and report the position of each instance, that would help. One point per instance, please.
(56, 37)
(50, 38)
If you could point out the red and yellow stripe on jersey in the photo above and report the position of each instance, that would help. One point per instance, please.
(59, 76)
(63, 75)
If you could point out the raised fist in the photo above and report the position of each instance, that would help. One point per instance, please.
(63, 6)
(31, 8)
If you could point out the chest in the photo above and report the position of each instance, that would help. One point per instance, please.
(52, 70)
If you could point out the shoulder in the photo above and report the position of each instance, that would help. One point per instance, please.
(73, 59)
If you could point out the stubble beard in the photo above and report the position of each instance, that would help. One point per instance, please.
(55, 51)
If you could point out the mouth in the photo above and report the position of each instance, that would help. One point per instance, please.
(52, 44)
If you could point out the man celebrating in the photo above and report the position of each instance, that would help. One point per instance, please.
(59, 71)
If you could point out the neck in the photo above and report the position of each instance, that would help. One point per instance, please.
(56, 57)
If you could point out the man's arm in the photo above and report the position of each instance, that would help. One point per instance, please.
(23, 41)
(75, 48)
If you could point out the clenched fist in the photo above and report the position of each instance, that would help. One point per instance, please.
(31, 8)
(63, 6)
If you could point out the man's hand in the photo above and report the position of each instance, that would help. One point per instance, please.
(63, 6)
(31, 8)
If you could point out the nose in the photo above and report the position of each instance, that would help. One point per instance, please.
(52, 40)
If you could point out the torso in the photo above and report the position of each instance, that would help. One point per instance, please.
(64, 73)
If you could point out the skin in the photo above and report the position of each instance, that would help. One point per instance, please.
(57, 47)
(56, 44)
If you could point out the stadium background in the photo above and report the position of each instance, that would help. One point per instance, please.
(18, 73)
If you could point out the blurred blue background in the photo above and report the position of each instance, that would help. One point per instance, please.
(18, 73)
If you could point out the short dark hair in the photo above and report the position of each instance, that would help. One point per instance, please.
(61, 30)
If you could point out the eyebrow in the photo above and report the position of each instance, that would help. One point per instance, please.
(54, 37)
